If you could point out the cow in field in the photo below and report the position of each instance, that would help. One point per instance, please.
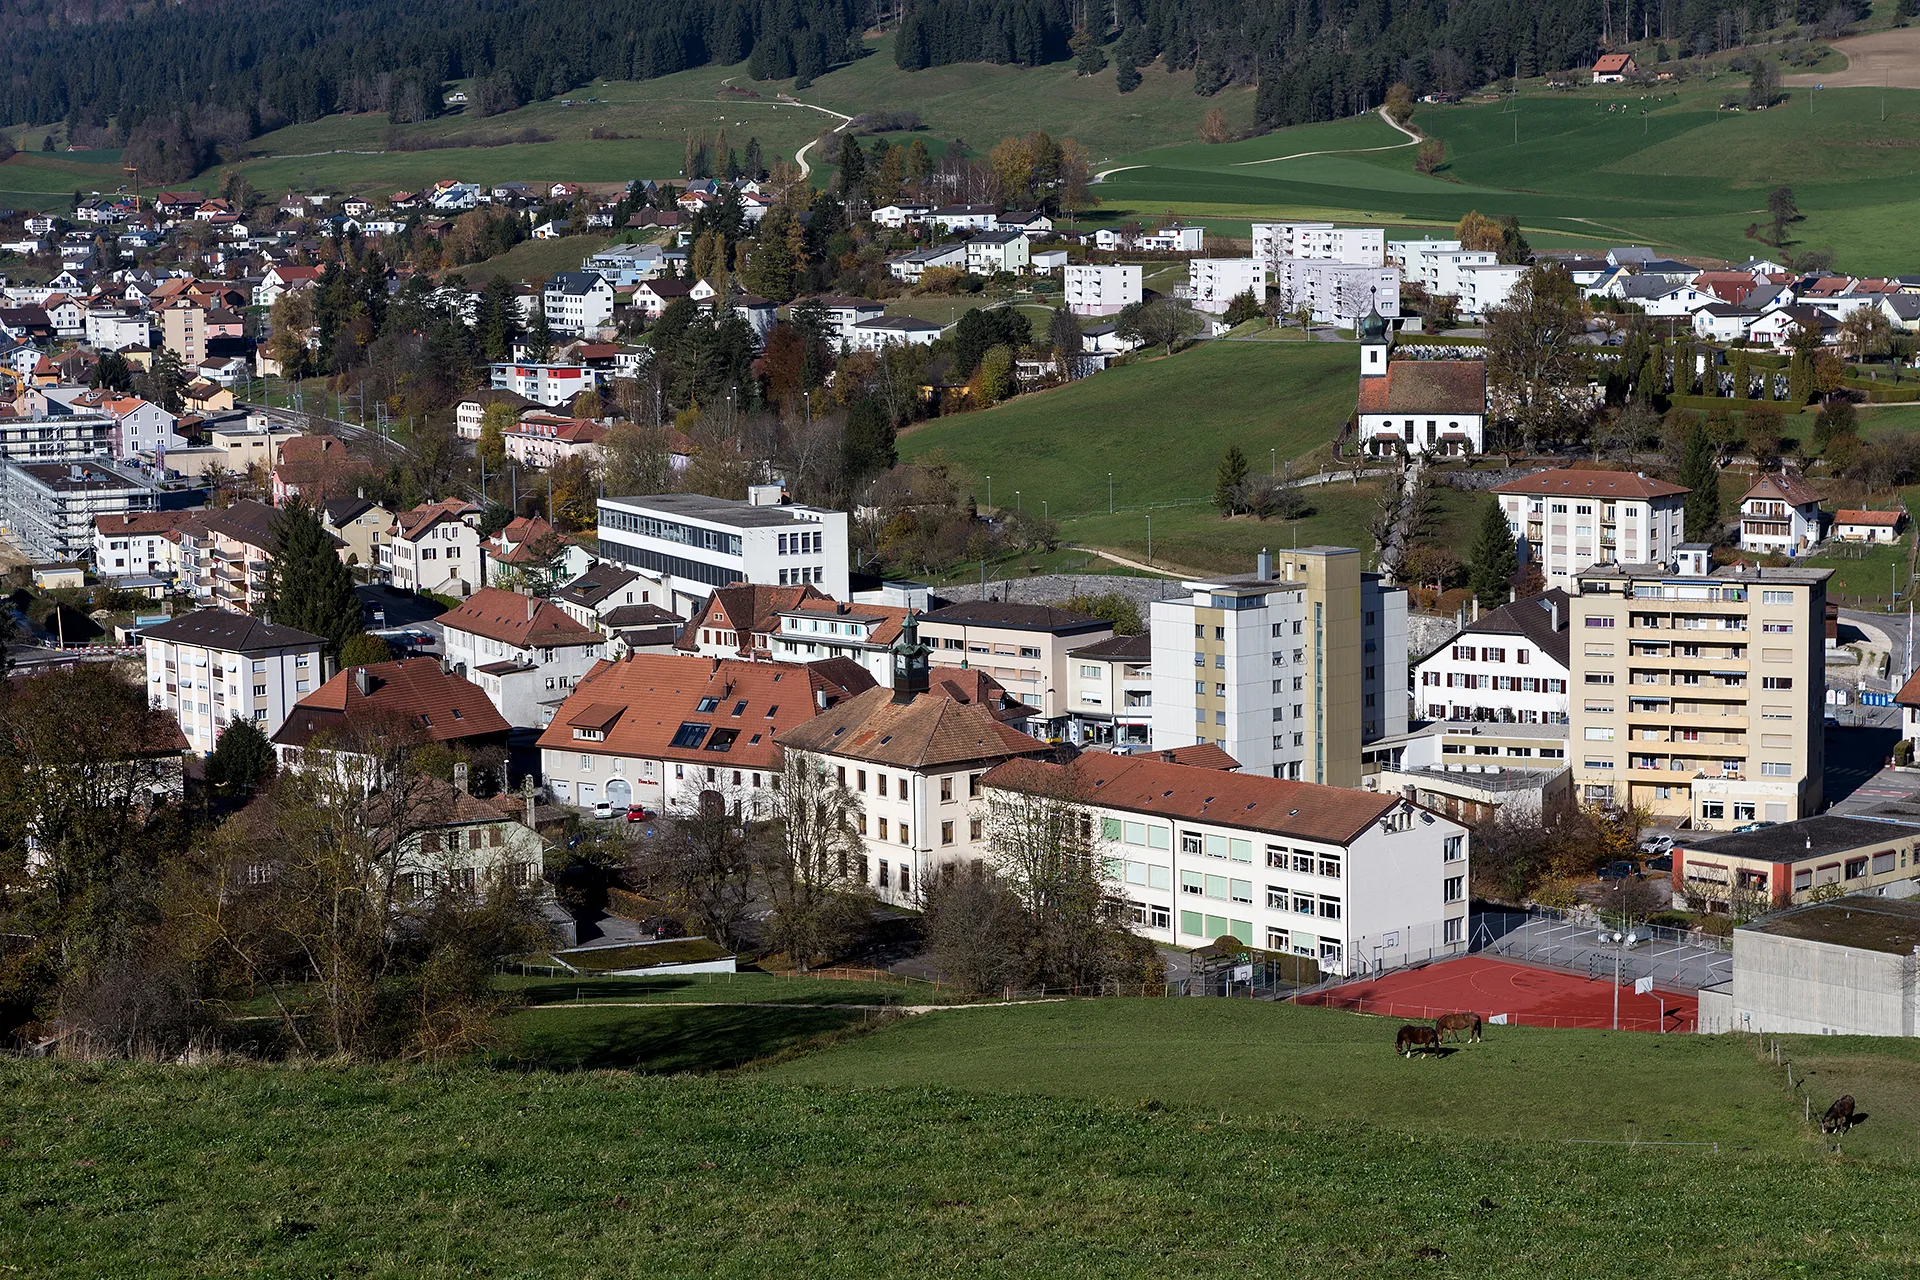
(1839, 1117)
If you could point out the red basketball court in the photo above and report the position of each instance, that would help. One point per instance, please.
(1527, 995)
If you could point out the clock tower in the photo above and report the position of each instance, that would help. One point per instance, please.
(910, 662)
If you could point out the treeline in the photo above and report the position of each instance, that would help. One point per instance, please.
(277, 61)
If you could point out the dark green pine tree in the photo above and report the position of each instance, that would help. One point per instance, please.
(1229, 483)
(1494, 559)
(242, 759)
(971, 338)
(1700, 473)
(853, 168)
(307, 587)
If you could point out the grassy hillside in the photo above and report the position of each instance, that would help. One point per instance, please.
(41, 180)
(1111, 1138)
(1160, 426)
(652, 119)
(1584, 165)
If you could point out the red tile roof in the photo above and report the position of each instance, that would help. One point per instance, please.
(1612, 64)
(1591, 484)
(425, 516)
(746, 609)
(1427, 386)
(933, 730)
(657, 693)
(1201, 755)
(1887, 519)
(1149, 785)
(414, 693)
(518, 620)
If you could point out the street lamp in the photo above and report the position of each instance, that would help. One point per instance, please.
(1149, 538)
(1621, 942)
(1016, 502)
(1109, 493)
(989, 493)
(1273, 462)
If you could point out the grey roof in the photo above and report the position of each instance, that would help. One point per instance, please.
(250, 522)
(900, 324)
(1904, 305)
(577, 282)
(641, 615)
(1870, 923)
(1015, 617)
(1646, 287)
(726, 511)
(1118, 649)
(341, 511)
(997, 237)
(1626, 253)
(1825, 836)
(596, 584)
(1532, 619)
(232, 632)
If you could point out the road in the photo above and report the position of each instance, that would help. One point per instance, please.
(800, 156)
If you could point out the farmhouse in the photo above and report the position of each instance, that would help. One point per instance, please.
(1780, 513)
(1612, 68)
(1867, 526)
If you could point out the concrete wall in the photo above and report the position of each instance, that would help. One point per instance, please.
(1816, 988)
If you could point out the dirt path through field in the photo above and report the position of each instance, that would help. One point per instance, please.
(1890, 58)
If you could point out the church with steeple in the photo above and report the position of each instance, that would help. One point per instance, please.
(1412, 406)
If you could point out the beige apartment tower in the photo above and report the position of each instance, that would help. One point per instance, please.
(1289, 669)
(1698, 692)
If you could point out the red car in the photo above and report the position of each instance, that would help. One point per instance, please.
(636, 813)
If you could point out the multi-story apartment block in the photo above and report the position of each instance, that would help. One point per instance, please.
(1025, 647)
(1288, 670)
(228, 550)
(1356, 880)
(697, 543)
(1110, 692)
(1780, 514)
(1363, 246)
(1213, 283)
(578, 302)
(49, 431)
(212, 667)
(992, 252)
(146, 545)
(1568, 520)
(1091, 289)
(48, 509)
(1334, 292)
(1699, 692)
(1509, 667)
(913, 757)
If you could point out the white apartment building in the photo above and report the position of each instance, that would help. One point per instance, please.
(142, 545)
(1289, 671)
(1215, 282)
(525, 654)
(1702, 690)
(819, 628)
(1441, 265)
(1509, 667)
(212, 667)
(1335, 292)
(1110, 692)
(115, 329)
(912, 265)
(1025, 647)
(435, 547)
(1569, 520)
(697, 543)
(578, 302)
(1364, 246)
(1780, 513)
(996, 251)
(48, 509)
(892, 331)
(1100, 290)
(844, 313)
(1484, 287)
(1355, 880)
(548, 384)
(914, 761)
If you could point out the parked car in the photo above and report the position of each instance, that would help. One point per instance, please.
(638, 813)
(1663, 865)
(1621, 870)
(602, 809)
(1657, 844)
(1754, 826)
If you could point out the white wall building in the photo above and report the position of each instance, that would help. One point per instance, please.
(212, 667)
(435, 547)
(525, 654)
(578, 302)
(1354, 880)
(1570, 520)
(548, 384)
(1508, 667)
(1100, 290)
(1335, 291)
(1215, 282)
(697, 543)
(1364, 246)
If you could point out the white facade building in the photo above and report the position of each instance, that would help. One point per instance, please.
(1510, 667)
(697, 543)
(1364, 246)
(1351, 879)
(213, 667)
(1568, 521)
(1097, 290)
(1335, 291)
(524, 654)
(1215, 282)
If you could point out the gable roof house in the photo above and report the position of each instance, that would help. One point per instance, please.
(413, 699)
(524, 653)
(667, 730)
(1781, 512)
(435, 547)
(604, 587)
(1510, 666)
(1612, 68)
(740, 620)
(318, 469)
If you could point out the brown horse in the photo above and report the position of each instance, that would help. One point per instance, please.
(1425, 1039)
(1452, 1024)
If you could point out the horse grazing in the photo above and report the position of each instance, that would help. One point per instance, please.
(1839, 1117)
(1452, 1024)
(1425, 1039)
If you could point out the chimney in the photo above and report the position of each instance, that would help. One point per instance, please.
(1554, 608)
(1263, 565)
(363, 681)
(446, 665)
(526, 802)
(1168, 757)
(460, 776)
(820, 699)
(1512, 594)
(1476, 608)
